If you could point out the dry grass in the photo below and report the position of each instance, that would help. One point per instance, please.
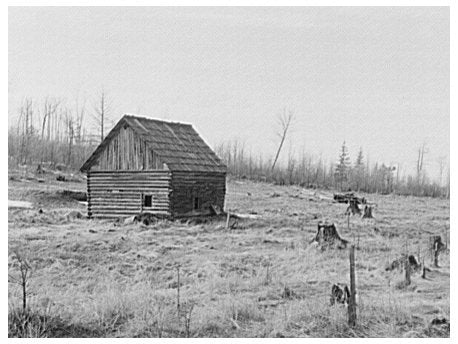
(103, 278)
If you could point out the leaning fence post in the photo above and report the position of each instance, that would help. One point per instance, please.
(227, 220)
(352, 304)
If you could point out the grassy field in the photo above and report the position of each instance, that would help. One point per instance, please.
(116, 279)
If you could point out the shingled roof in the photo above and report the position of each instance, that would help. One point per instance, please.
(176, 144)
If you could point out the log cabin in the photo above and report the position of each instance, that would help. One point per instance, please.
(152, 166)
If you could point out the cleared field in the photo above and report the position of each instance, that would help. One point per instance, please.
(261, 279)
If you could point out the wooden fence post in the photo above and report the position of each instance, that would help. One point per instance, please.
(407, 269)
(352, 303)
(445, 237)
(407, 265)
(423, 275)
(178, 292)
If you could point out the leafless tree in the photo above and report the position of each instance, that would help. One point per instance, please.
(70, 128)
(441, 162)
(80, 111)
(26, 122)
(49, 109)
(101, 112)
(24, 275)
(420, 160)
(285, 122)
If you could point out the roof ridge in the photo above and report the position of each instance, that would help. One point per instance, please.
(131, 115)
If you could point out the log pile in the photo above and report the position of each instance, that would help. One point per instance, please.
(349, 196)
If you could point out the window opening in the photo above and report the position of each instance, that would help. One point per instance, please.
(148, 201)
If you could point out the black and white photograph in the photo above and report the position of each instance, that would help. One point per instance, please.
(228, 171)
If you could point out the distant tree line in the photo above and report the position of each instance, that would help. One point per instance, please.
(310, 172)
(53, 132)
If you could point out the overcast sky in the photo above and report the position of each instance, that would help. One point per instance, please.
(375, 77)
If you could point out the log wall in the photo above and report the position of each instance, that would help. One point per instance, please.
(127, 151)
(209, 187)
(120, 193)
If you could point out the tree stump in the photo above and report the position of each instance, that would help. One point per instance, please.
(327, 236)
(436, 246)
(367, 212)
(40, 169)
(353, 208)
(340, 293)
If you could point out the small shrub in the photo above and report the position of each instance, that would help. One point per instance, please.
(26, 323)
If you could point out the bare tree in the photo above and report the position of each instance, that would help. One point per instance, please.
(26, 122)
(421, 153)
(102, 109)
(80, 111)
(49, 109)
(70, 127)
(441, 161)
(285, 122)
(24, 275)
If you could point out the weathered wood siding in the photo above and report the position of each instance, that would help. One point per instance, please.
(127, 151)
(120, 193)
(209, 187)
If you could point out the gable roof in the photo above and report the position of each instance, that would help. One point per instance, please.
(176, 144)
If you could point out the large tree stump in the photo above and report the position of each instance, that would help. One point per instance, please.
(327, 236)
(367, 212)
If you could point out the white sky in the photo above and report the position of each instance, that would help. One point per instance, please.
(376, 77)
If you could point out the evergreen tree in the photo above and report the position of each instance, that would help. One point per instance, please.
(343, 167)
(359, 169)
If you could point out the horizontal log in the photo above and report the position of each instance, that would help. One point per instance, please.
(128, 211)
(123, 188)
(118, 204)
(134, 184)
(126, 204)
(151, 171)
(127, 193)
(131, 178)
(125, 213)
(117, 216)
